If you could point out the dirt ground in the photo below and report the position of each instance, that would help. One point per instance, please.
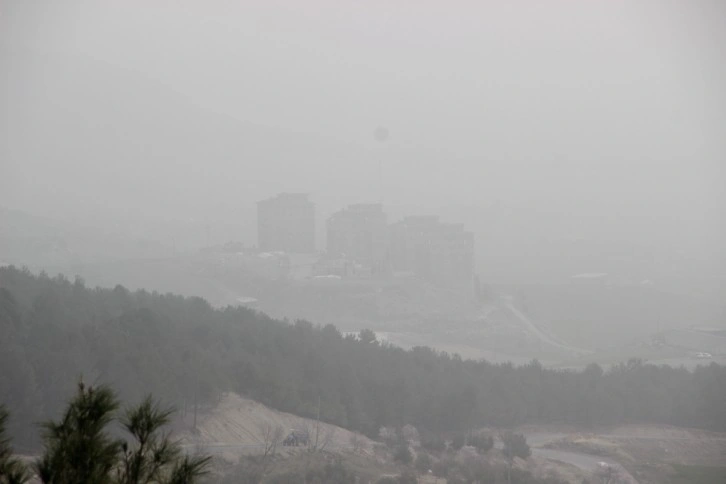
(658, 443)
(237, 426)
(648, 452)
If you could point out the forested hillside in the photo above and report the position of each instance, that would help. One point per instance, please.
(53, 331)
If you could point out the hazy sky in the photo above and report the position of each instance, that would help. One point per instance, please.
(533, 122)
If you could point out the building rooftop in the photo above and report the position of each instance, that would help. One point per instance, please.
(287, 197)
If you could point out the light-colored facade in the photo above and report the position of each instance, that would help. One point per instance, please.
(286, 223)
(431, 249)
(359, 233)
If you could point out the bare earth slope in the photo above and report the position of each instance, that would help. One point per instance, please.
(237, 427)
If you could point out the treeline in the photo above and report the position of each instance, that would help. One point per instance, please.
(53, 331)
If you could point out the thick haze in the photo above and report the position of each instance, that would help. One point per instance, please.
(570, 136)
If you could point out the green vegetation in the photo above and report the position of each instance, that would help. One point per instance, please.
(52, 330)
(152, 456)
(310, 467)
(12, 470)
(515, 445)
(403, 454)
(331, 473)
(80, 448)
(483, 443)
(481, 471)
(423, 462)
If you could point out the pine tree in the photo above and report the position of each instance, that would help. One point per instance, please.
(153, 456)
(78, 449)
(12, 470)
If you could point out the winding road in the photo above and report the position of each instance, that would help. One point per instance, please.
(534, 329)
(586, 462)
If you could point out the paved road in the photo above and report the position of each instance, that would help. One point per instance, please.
(585, 462)
(533, 328)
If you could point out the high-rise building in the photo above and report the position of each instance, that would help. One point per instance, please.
(431, 249)
(286, 223)
(359, 233)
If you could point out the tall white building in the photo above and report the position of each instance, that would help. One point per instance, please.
(286, 223)
(359, 233)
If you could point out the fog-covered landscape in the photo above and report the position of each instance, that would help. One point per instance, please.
(266, 242)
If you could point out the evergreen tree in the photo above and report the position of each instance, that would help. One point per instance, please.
(78, 449)
(153, 456)
(12, 470)
(515, 445)
(185, 351)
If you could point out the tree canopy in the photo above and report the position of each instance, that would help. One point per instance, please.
(12, 469)
(80, 448)
(181, 349)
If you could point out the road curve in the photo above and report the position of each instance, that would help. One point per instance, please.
(534, 329)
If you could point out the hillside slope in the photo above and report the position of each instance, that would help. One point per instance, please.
(52, 331)
(237, 426)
